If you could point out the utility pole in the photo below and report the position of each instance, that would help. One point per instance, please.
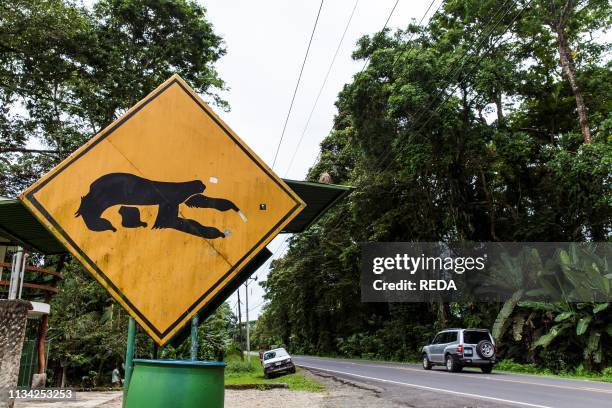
(248, 322)
(240, 328)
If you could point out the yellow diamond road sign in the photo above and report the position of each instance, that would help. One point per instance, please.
(164, 207)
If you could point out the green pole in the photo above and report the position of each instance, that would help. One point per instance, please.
(194, 337)
(154, 349)
(129, 356)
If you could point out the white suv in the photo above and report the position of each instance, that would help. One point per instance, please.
(458, 348)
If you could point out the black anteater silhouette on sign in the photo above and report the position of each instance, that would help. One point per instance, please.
(130, 190)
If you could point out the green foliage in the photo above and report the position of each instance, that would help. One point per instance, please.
(562, 370)
(87, 329)
(489, 152)
(444, 136)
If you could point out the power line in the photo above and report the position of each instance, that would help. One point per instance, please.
(257, 305)
(399, 55)
(281, 247)
(457, 73)
(408, 42)
(365, 63)
(340, 219)
(297, 85)
(268, 262)
(285, 243)
(348, 23)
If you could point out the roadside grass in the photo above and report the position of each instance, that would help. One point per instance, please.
(238, 372)
(578, 374)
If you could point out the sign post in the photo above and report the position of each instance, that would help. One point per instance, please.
(194, 337)
(129, 356)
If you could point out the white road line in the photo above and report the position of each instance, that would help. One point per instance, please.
(423, 387)
(486, 377)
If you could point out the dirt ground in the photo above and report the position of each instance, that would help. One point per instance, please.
(337, 394)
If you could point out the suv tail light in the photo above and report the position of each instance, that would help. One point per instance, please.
(460, 349)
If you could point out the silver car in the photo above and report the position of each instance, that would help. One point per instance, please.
(458, 348)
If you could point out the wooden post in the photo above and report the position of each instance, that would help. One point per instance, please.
(42, 336)
(40, 379)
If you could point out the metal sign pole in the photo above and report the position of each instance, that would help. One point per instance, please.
(129, 356)
(194, 337)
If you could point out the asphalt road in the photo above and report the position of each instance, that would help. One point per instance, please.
(410, 385)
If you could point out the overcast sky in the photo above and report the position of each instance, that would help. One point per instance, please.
(266, 42)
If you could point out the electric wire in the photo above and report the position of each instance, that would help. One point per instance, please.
(297, 85)
(340, 221)
(348, 23)
(456, 72)
(365, 63)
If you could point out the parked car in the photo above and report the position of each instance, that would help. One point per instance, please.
(458, 348)
(277, 361)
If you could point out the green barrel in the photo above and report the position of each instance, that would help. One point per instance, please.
(176, 383)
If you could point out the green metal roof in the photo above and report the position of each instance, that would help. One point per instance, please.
(318, 197)
(20, 227)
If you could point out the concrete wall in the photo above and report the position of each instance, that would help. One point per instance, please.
(13, 319)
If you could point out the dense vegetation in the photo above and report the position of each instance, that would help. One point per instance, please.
(492, 123)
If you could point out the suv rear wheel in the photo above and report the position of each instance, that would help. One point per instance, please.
(451, 364)
(426, 363)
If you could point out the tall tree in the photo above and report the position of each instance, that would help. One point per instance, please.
(570, 21)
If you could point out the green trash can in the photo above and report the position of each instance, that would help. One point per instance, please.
(176, 383)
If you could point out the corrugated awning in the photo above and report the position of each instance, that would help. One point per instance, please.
(318, 197)
(20, 227)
